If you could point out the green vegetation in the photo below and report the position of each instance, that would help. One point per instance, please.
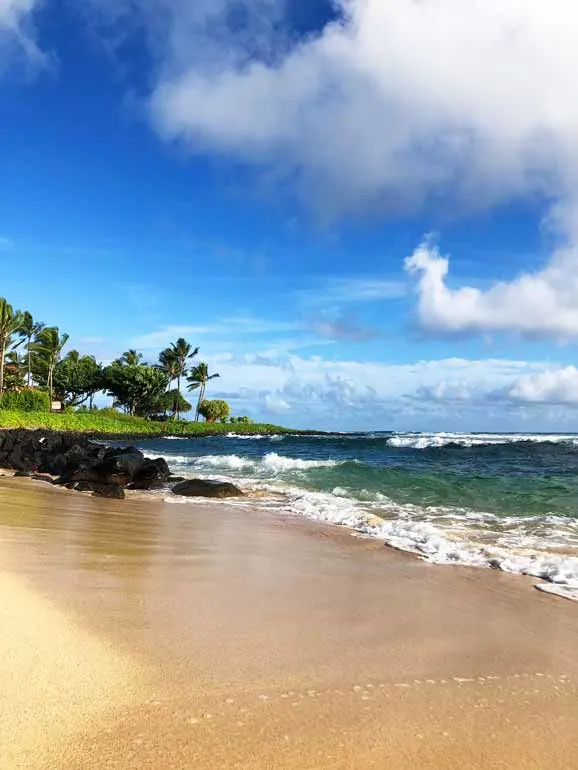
(215, 411)
(198, 378)
(113, 423)
(28, 400)
(35, 372)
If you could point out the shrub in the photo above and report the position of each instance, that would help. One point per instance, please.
(214, 411)
(25, 401)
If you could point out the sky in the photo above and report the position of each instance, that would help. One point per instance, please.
(364, 212)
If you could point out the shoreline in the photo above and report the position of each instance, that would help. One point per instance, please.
(276, 642)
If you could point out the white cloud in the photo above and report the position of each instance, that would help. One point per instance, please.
(399, 101)
(557, 386)
(542, 303)
(347, 395)
(16, 32)
(399, 104)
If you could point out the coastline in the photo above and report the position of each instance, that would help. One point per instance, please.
(271, 641)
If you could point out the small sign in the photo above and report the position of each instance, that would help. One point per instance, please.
(56, 406)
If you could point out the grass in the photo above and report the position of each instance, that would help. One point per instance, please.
(109, 423)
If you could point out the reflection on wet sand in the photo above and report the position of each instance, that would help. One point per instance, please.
(249, 640)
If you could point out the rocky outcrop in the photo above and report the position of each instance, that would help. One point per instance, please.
(74, 461)
(79, 463)
(205, 488)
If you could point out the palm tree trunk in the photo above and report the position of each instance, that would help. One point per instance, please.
(177, 412)
(200, 401)
(29, 376)
(2, 354)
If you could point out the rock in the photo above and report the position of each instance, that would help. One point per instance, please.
(151, 473)
(79, 463)
(146, 486)
(114, 491)
(175, 479)
(42, 477)
(203, 488)
(22, 475)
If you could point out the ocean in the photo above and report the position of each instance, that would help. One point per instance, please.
(500, 501)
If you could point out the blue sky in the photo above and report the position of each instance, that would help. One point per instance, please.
(280, 182)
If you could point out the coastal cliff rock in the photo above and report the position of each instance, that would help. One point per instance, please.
(205, 488)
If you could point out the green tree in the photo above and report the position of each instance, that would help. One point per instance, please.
(172, 399)
(215, 411)
(28, 330)
(77, 378)
(10, 323)
(47, 348)
(136, 388)
(198, 379)
(169, 364)
(13, 371)
(182, 352)
(130, 358)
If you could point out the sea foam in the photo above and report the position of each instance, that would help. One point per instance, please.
(432, 440)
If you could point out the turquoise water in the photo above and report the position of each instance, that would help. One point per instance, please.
(505, 501)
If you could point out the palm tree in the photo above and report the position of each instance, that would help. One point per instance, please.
(28, 330)
(169, 364)
(10, 323)
(198, 378)
(130, 358)
(49, 343)
(181, 351)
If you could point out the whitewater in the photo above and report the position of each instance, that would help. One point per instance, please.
(499, 501)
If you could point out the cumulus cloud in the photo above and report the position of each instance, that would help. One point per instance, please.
(348, 395)
(395, 102)
(557, 386)
(541, 303)
(396, 105)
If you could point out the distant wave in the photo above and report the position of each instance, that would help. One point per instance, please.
(433, 440)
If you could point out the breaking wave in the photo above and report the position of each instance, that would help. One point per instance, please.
(429, 440)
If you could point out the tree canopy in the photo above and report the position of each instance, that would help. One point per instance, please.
(215, 411)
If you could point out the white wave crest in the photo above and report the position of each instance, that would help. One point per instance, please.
(245, 437)
(445, 536)
(271, 463)
(429, 440)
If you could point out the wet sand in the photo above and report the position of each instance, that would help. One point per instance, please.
(140, 635)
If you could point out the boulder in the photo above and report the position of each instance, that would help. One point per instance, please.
(146, 486)
(152, 474)
(79, 463)
(114, 491)
(204, 488)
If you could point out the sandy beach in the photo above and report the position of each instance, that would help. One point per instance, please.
(138, 634)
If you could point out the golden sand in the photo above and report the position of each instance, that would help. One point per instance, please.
(139, 636)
